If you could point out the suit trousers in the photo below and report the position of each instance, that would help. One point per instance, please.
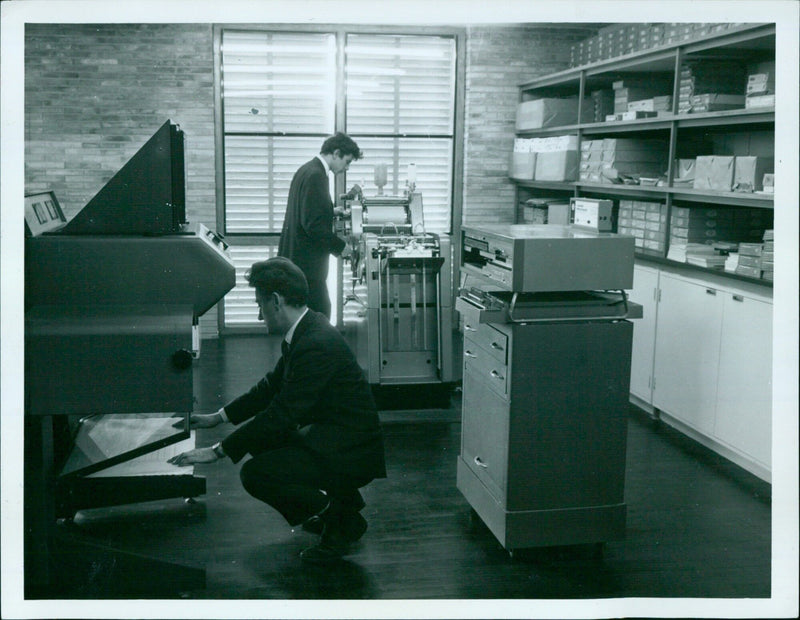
(318, 298)
(298, 483)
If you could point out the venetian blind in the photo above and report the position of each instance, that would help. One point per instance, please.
(400, 110)
(278, 96)
(278, 99)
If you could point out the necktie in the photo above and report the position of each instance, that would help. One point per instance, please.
(284, 348)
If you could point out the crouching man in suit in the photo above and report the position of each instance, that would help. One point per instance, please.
(310, 426)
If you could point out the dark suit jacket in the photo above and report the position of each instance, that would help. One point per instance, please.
(317, 395)
(307, 238)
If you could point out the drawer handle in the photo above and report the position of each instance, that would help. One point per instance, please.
(738, 298)
(497, 346)
(480, 463)
(497, 375)
(468, 327)
(711, 291)
(468, 353)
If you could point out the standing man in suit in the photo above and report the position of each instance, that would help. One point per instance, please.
(307, 238)
(310, 425)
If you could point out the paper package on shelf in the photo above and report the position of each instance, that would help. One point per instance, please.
(539, 113)
(557, 165)
(523, 160)
(749, 171)
(714, 172)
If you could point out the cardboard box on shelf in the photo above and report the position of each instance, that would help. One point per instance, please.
(522, 165)
(538, 113)
(654, 104)
(558, 213)
(759, 101)
(715, 102)
(749, 171)
(635, 115)
(751, 249)
(557, 165)
(749, 261)
(750, 272)
(714, 172)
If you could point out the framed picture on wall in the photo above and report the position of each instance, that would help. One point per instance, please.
(42, 214)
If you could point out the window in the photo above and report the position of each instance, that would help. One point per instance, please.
(278, 100)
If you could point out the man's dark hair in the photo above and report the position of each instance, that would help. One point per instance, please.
(344, 143)
(282, 276)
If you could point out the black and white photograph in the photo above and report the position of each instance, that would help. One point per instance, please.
(347, 309)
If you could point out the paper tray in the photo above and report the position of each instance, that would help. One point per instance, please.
(507, 307)
(103, 441)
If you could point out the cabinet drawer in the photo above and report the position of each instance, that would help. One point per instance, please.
(484, 439)
(481, 363)
(486, 336)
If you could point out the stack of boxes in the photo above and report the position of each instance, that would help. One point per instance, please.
(599, 104)
(750, 260)
(620, 39)
(760, 90)
(646, 221)
(709, 225)
(632, 157)
(545, 159)
(591, 164)
(709, 86)
(640, 97)
(768, 255)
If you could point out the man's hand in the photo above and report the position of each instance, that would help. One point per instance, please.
(201, 420)
(198, 455)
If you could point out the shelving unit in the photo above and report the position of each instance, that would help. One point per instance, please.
(745, 131)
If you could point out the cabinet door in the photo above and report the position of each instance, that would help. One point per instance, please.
(645, 289)
(484, 434)
(744, 401)
(687, 351)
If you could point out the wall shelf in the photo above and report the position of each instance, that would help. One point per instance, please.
(743, 131)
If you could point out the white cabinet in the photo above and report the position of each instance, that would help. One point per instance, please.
(712, 364)
(687, 351)
(744, 396)
(644, 293)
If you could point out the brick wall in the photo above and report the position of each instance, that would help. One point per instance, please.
(499, 58)
(94, 94)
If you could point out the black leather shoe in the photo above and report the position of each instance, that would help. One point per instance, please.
(322, 554)
(351, 525)
(314, 525)
(332, 546)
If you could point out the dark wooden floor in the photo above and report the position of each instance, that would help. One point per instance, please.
(697, 526)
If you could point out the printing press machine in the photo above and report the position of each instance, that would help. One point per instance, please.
(112, 302)
(404, 335)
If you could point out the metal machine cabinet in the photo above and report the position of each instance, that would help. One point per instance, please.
(543, 439)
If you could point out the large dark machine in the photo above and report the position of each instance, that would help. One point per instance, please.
(404, 335)
(112, 302)
(547, 354)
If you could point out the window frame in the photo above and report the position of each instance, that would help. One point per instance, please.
(340, 32)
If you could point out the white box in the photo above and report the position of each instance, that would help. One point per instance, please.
(592, 213)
